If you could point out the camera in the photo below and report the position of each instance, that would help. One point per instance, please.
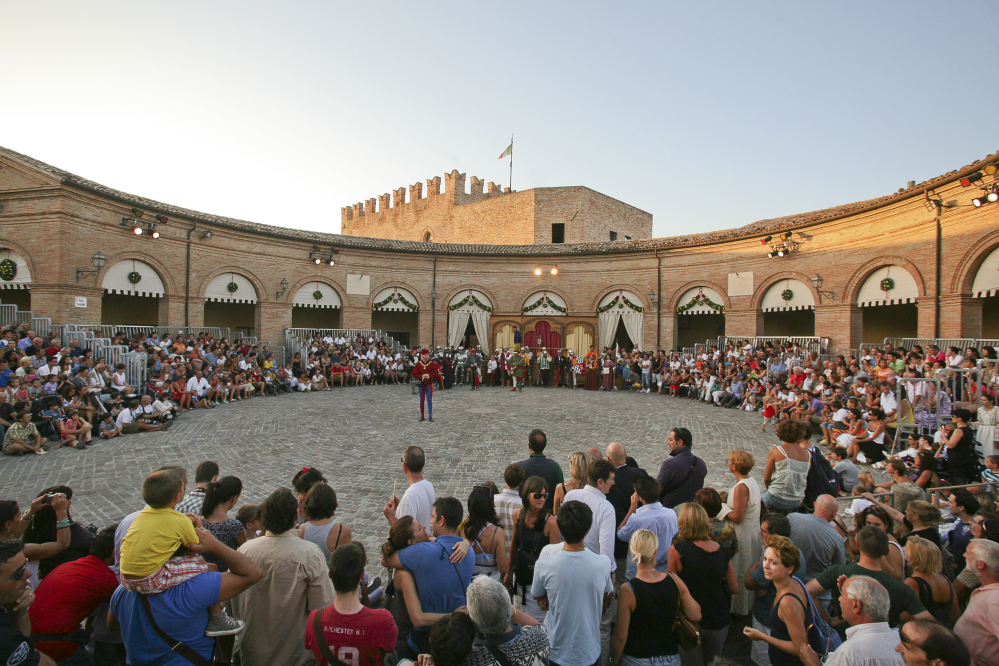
(48, 498)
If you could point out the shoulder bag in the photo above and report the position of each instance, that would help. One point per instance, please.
(686, 631)
(324, 647)
(176, 646)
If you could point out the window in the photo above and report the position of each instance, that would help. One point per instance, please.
(627, 237)
(427, 237)
(613, 235)
(558, 232)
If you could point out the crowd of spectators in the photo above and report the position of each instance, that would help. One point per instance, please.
(608, 566)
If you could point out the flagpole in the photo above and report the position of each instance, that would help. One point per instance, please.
(511, 162)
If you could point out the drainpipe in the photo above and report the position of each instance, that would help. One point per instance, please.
(659, 301)
(936, 301)
(433, 308)
(187, 277)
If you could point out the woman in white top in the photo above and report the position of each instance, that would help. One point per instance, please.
(743, 511)
(119, 381)
(987, 414)
(787, 469)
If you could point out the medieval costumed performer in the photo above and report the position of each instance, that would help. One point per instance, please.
(425, 372)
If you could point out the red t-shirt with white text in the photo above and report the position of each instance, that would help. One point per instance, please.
(360, 639)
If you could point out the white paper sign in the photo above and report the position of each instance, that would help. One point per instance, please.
(81, 301)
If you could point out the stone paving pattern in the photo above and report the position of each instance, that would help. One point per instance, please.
(356, 436)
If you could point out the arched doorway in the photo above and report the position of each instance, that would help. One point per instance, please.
(986, 288)
(132, 292)
(578, 338)
(788, 309)
(700, 316)
(395, 312)
(16, 288)
(231, 302)
(315, 305)
(888, 297)
(468, 319)
(621, 320)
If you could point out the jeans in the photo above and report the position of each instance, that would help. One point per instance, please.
(712, 642)
(661, 660)
(775, 503)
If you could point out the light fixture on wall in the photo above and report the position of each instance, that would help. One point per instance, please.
(540, 270)
(206, 234)
(98, 260)
(554, 270)
(140, 227)
(782, 245)
(817, 283)
(284, 288)
(537, 270)
(991, 195)
(320, 256)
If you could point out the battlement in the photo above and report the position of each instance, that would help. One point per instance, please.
(454, 193)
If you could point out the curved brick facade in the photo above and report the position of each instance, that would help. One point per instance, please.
(56, 221)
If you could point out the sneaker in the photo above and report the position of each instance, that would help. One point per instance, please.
(223, 625)
(375, 583)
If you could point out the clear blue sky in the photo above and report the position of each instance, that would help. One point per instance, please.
(709, 115)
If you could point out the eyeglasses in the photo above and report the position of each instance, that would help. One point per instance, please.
(540, 495)
(18, 572)
(908, 642)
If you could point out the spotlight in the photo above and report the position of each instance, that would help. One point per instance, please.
(766, 240)
(537, 271)
(162, 219)
(991, 196)
(555, 270)
(787, 235)
(992, 169)
(156, 234)
(137, 231)
(973, 178)
(136, 212)
(332, 262)
(780, 253)
(770, 255)
(318, 261)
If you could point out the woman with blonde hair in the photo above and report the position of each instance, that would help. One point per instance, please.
(934, 590)
(743, 511)
(579, 465)
(646, 604)
(706, 569)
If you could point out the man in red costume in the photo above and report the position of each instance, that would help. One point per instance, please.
(426, 371)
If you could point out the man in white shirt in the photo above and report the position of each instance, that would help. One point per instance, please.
(600, 537)
(199, 387)
(128, 419)
(418, 500)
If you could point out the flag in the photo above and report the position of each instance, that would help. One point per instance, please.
(508, 151)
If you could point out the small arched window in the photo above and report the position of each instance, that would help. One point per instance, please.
(428, 237)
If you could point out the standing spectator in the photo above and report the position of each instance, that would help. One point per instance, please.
(924, 642)
(483, 531)
(787, 470)
(682, 474)
(418, 500)
(206, 472)
(963, 506)
(705, 567)
(961, 449)
(978, 627)
(646, 512)
(363, 635)
(221, 498)
(763, 589)
(69, 594)
(620, 498)
(538, 465)
(521, 640)
(16, 598)
(820, 542)
(869, 639)
(648, 604)
(534, 528)
(743, 512)
(508, 500)
(579, 464)
(575, 587)
(318, 508)
(722, 531)
(295, 582)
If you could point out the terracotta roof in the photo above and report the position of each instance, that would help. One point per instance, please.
(755, 229)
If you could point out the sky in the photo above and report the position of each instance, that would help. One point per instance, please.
(709, 115)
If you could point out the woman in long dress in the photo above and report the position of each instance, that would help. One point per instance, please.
(743, 511)
(987, 414)
(609, 366)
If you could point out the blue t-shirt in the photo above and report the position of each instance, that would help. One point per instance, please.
(440, 584)
(5, 377)
(181, 612)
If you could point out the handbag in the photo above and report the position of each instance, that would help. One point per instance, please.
(824, 639)
(686, 631)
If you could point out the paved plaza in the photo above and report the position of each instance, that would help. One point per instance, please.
(356, 437)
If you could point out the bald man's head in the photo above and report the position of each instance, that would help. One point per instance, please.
(594, 453)
(826, 506)
(616, 454)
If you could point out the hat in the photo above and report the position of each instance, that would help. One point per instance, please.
(505, 347)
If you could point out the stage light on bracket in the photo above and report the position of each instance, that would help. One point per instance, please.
(554, 270)
(766, 240)
(153, 232)
(991, 169)
(162, 219)
(537, 271)
(137, 231)
(136, 212)
(972, 178)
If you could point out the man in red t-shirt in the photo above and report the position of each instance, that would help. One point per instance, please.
(426, 371)
(355, 635)
(70, 593)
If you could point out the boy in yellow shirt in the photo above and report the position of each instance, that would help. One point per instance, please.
(154, 551)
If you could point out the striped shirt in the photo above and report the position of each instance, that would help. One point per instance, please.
(506, 503)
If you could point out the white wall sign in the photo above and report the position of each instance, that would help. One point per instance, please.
(81, 301)
(740, 284)
(359, 284)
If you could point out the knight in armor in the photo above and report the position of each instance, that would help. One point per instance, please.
(545, 365)
(460, 366)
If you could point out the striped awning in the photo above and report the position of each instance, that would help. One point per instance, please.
(305, 297)
(116, 280)
(903, 288)
(22, 279)
(218, 289)
(801, 297)
(987, 278)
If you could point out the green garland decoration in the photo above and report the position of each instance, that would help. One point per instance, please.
(887, 284)
(317, 294)
(232, 287)
(540, 302)
(787, 294)
(476, 301)
(135, 277)
(702, 300)
(8, 269)
(620, 301)
(396, 297)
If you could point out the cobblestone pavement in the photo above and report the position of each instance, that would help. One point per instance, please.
(356, 437)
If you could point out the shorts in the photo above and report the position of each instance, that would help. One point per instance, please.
(768, 420)
(175, 571)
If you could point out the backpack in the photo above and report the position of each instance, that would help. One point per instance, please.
(821, 480)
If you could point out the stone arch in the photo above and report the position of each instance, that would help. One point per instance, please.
(675, 298)
(427, 235)
(967, 269)
(496, 326)
(620, 287)
(527, 292)
(476, 287)
(397, 283)
(330, 282)
(19, 249)
(161, 270)
(239, 270)
(856, 281)
(761, 291)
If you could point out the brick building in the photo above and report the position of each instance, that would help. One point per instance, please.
(937, 255)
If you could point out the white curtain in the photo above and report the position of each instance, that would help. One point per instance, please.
(607, 322)
(456, 322)
(634, 324)
(480, 322)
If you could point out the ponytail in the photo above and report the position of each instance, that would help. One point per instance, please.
(220, 492)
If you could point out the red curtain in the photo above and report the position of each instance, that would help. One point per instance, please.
(543, 336)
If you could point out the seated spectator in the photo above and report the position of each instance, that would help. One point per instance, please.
(23, 437)
(346, 626)
(16, 598)
(934, 590)
(220, 498)
(48, 525)
(483, 530)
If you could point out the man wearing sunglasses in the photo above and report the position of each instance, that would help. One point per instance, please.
(15, 598)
